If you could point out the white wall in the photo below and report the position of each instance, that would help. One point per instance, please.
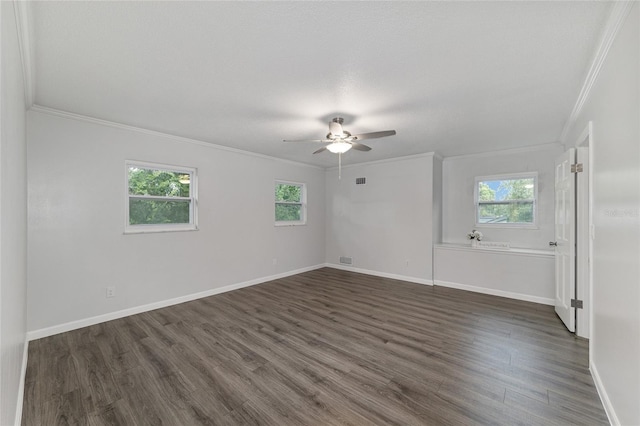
(386, 222)
(13, 224)
(458, 203)
(614, 107)
(437, 199)
(518, 274)
(491, 273)
(76, 220)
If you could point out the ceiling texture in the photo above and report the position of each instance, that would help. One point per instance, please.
(449, 77)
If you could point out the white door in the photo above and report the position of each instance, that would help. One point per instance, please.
(565, 238)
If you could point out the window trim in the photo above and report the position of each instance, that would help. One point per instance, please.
(509, 176)
(165, 227)
(302, 203)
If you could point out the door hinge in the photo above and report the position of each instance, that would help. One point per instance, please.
(576, 168)
(576, 303)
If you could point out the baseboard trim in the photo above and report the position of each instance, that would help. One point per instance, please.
(23, 376)
(380, 274)
(604, 397)
(74, 325)
(494, 292)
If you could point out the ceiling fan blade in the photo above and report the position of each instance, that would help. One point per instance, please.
(324, 148)
(360, 147)
(308, 140)
(374, 135)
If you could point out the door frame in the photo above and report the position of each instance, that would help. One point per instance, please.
(584, 234)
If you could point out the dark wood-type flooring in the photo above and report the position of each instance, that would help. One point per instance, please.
(327, 347)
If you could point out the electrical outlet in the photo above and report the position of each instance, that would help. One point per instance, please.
(111, 291)
(275, 261)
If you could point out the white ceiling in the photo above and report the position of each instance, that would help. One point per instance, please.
(450, 77)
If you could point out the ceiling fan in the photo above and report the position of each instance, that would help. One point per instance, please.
(339, 141)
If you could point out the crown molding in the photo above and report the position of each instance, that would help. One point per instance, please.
(112, 124)
(21, 11)
(529, 148)
(619, 12)
(386, 160)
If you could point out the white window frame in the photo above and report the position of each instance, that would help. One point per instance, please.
(302, 203)
(511, 176)
(163, 227)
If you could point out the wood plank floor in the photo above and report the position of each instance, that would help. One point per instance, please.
(327, 347)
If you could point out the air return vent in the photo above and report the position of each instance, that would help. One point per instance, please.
(346, 260)
(361, 181)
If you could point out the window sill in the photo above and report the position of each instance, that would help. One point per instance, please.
(157, 230)
(511, 251)
(280, 224)
(507, 226)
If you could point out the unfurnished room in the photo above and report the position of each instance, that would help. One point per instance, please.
(320, 213)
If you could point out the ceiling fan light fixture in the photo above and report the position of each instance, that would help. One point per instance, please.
(335, 128)
(339, 147)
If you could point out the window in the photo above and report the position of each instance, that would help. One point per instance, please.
(507, 200)
(290, 207)
(160, 198)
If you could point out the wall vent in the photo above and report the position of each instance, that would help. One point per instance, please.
(361, 181)
(346, 260)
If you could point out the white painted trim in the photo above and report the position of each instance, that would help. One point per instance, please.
(302, 204)
(585, 136)
(284, 224)
(160, 227)
(494, 292)
(24, 42)
(380, 274)
(504, 176)
(529, 148)
(508, 176)
(619, 12)
(87, 119)
(591, 237)
(386, 160)
(583, 243)
(73, 325)
(23, 376)
(604, 397)
(584, 317)
(511, 251)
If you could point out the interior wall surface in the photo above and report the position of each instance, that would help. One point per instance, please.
(613, 106)
(385, 224)
(13, 219)
(77, 244)
(459, 174)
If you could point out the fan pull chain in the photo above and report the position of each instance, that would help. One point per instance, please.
(339, 166)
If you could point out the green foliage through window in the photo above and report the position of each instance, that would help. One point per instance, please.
(159, 196)
(158, 182)
(506, 201)
(148, 212)
(289, 205)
